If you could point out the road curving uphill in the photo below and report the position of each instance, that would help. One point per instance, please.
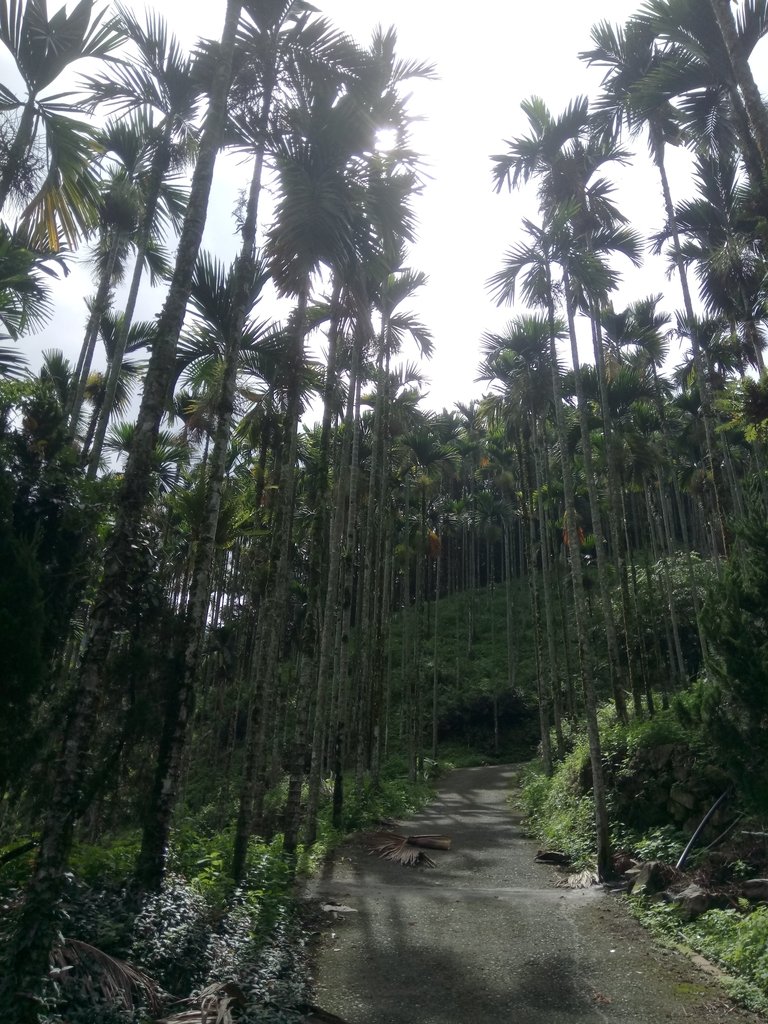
(486, 936)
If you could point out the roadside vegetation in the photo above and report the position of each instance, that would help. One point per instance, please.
(705, 887)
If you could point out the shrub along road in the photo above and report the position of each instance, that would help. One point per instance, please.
(486, 935)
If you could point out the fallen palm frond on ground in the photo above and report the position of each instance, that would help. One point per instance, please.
(580, 880)
(214, 1005)
(115, 980)
(406, 850)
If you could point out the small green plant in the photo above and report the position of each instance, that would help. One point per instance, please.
(739, 870)
(557, 812)
(665, 843)
(736, 940)
(109, 863)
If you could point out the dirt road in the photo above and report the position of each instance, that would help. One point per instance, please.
(486, 936)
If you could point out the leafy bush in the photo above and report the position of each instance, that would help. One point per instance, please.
(101, 916)
(558, 813)
(664, 843)
(738, 941)
(392, 798)
(560, 810)
(735, 940)
(109, 863)
(171, 934)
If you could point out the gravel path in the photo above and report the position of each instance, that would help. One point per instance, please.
(486, 936)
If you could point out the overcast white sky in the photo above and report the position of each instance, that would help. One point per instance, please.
(489, 57)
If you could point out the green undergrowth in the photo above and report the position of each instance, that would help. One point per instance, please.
(733, 939)
(394, 797)
(639, 761)
(199, 929)
(559, 809)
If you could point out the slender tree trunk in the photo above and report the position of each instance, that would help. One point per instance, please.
(98, 309)
(698, 358)
(276, 601)
(333, 594)
(434, 659)
(160, 163)
(615, 514)
(581, 617)
(742, 74)
(546, 577)
(31, 944)
(154, 849)
(594, 508)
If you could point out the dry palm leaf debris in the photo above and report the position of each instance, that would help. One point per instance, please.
(116, 980)
(579, 880)
(406, 850)
(213, 1005)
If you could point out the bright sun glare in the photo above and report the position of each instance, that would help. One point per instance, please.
(386, 139)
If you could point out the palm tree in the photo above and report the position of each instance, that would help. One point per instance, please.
(43, 48)
(139, 337)
(313, 227)
(733, 33)
(565, 154)
(424, 461)
(171, 453)
(35, 929)
(517, 361)
(158, 86)
(216, 306)
(122, 146)
(282, 49)
(719, 238)
(343, 225)
(697, 69)
(632, 59)
(641, 79)
(395, 325)
(24, 300)
(532, 263)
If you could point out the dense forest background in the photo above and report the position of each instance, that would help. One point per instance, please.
(248, 592)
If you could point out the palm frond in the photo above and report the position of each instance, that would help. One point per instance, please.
(117, 981)
(407, 850)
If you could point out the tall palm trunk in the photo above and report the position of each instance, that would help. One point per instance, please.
(382, 603)
(434, 652)
(35, 931)
(333, 609)
(546, 578)
(407, 669)
(594, 508)
(160, 164)
(580, 614)
(348, 696)
(542, 694)
(157, 821)
(367, 635)
(277, 599)
(657, 145)
(98, 309)
(742, 74)
(615, 514)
